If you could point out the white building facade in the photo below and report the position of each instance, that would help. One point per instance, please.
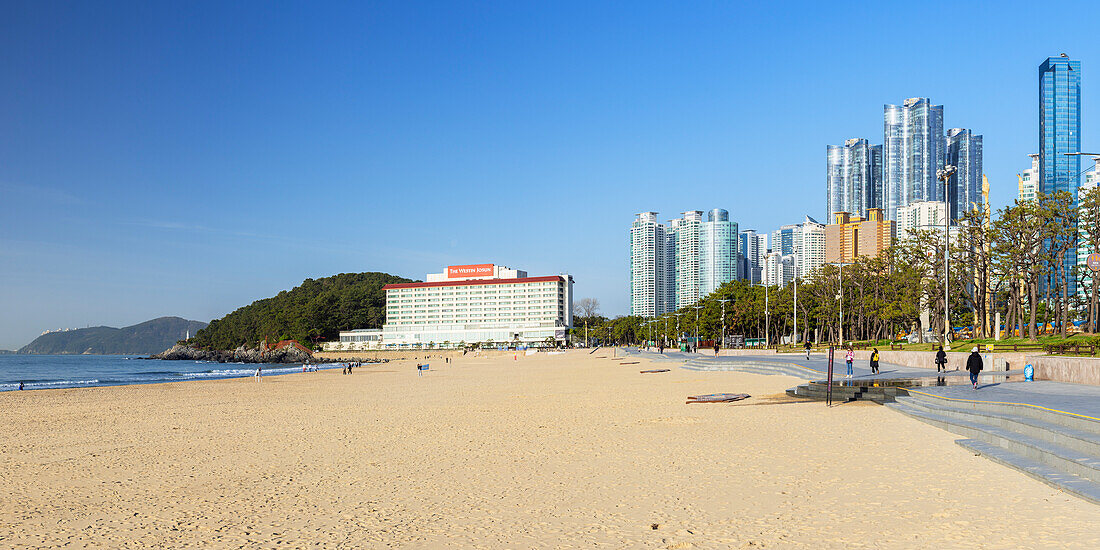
(810, 251)
(685, 235)
(470, 304)
(1091, 181)
(1029, 180)
(920, 215)
(652, 272)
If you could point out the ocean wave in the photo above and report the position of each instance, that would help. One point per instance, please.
(39, 384)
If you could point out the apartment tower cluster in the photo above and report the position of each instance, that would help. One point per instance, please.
(903, 170)
(676, 264)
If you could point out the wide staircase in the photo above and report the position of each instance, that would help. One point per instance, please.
(845, 391)
(1060, 449)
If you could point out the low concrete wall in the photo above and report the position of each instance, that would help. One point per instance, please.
(1076, 370)
(927, 359)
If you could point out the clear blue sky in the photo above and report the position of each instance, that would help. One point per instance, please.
(188, 158)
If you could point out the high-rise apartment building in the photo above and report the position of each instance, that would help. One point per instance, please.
(1029, 180)
(718, 263)
(1092, 181)
(810, 254)
(853, 177)
(778, 269)
(675, 265)
(849, 237)
(651, 275)
(754, 246)
(685, 238)
(784, 239)
(921, 215)
(1060, 133)
(964, 188)
(912, 152)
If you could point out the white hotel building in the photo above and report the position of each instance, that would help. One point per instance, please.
(470, 304)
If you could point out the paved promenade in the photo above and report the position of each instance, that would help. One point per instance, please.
(1075, 399)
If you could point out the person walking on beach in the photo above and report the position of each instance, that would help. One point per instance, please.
(941, 360)
(849, 356)
(874, 360)
(807, 350)
(20, 386)
(419, 370)
(259, 373)
(974, 365)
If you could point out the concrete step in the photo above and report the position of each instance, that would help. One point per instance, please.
(1083, 441)
(1075, 485)
(1015, 409)
(1056, 456)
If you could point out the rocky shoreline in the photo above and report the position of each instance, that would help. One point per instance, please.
(288, 354)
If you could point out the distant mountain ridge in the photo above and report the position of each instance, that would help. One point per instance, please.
(146, 338)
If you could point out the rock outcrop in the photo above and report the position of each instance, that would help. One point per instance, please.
(287, 354)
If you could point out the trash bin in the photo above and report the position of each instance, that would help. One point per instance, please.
(1029, 373)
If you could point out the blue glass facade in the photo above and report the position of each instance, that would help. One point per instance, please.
(1059, 133)
(912, 151)
(964, 189)
(853, 178)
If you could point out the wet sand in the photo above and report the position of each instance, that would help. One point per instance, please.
(564, 451)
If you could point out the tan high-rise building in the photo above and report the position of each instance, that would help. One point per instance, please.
(851, 236)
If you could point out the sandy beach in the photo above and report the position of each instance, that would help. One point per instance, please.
(564, 451)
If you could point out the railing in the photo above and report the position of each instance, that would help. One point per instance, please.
(1074, 349)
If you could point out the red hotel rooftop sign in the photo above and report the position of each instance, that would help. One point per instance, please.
(477, 270)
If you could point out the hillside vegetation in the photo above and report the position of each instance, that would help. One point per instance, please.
(317, 309)
(140, 339)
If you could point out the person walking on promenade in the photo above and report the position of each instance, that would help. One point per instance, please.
(941, 360)
(717, 346)
(807, 350)
(849, 356)
(874, 360)
(974, 365)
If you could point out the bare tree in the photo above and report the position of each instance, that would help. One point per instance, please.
(586, 307)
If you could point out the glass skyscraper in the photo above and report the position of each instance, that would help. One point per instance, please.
(912, 151)
(1059, 133)
(853, 178)
(964, 189)
(718, 262)
(753, 246)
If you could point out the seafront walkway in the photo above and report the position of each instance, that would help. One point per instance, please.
(1047, 430)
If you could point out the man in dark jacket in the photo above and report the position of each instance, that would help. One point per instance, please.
(974, 365)
(941, 360)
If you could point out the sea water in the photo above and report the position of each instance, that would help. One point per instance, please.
(38, 372)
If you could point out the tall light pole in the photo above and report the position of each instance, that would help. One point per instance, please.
(722, 336)
(767, 320)
(945, 176)
(697, 308)
(840, 299)
(794, 339)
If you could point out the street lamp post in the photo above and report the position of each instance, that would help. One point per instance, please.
(840, 299)
(794, 337)
(767, 319)
(945, 176)
(722, 336)
(697, 308)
